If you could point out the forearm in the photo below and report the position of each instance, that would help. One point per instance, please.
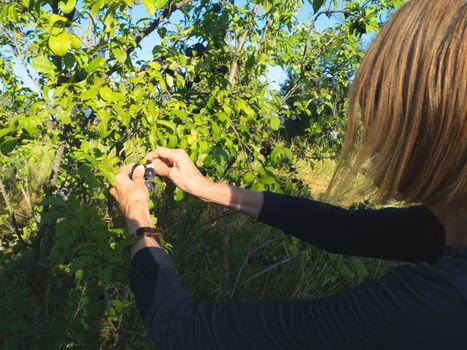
(406, 234)
(138, 216)
(239, 199)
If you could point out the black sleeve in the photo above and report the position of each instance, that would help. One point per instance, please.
(411, 234)
(410, 308)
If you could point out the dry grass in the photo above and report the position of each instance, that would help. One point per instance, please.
(318, 176)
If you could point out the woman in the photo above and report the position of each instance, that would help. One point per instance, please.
(410, 97)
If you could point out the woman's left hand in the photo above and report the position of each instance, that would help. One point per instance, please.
(133, 198)
(130, 193)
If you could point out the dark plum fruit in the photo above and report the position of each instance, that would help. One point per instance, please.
(217, 8)
(149, 173)
(150, 186)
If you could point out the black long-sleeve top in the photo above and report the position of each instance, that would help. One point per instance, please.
(414, 306)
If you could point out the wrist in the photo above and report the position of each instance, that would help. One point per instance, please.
(136, 219)
(144, 242)
(203, 189)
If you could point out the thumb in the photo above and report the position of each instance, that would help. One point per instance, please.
(138, 173)
(113, 192)
(161, 168)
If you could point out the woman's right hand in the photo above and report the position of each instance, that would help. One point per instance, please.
(175, 165)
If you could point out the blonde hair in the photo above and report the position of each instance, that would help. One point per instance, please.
(407, 109)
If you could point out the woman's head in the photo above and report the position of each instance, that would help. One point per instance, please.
(407, 110)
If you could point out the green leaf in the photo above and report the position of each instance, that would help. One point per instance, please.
(249, 177)
(173, 141)
(56, 18)
(152, 5)
(54, 201)
(95, 64)
(60, 44)
(42, 65)
(159, 3)
(317, 5)
(68, 6)
(170, 80)
(267, 180)
(91, 93)
(398, 3)
(149, 6)
(275, 122)
(75, 42)
(178, 194)
(119, 54)
(106, 93)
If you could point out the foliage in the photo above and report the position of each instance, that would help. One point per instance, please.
(96, 106)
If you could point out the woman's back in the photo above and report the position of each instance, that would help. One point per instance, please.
(417, 306)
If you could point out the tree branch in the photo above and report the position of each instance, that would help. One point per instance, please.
(241, 42)
(170, 8)
(20, 55)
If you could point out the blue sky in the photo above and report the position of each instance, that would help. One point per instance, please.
(275, 75)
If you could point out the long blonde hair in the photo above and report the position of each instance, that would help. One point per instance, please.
(407, 109)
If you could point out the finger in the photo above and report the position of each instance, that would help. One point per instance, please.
(113, 192)
(125, 169)
(132, 170)
(123, 174)
(161, 168)
(163, 152)
(138, 173)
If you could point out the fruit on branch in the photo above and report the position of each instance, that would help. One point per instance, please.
(252, 129)
(149, 173)
(197, 79)
(266, 145)
(221, 69)
(264, 151)
(308, 67)
(150, 185)
(314, 81)
(196, 50)
(251, 158)
(358, 26)
(317, 101)
(199, 48)
(217, 8)
(189, 52)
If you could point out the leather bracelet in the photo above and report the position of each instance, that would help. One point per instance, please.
(150, 232)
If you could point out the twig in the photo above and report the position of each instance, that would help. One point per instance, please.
(21, 57)
(269, 268)
(12, 214)
(241, 42)
(169, 9)
(245, 261)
